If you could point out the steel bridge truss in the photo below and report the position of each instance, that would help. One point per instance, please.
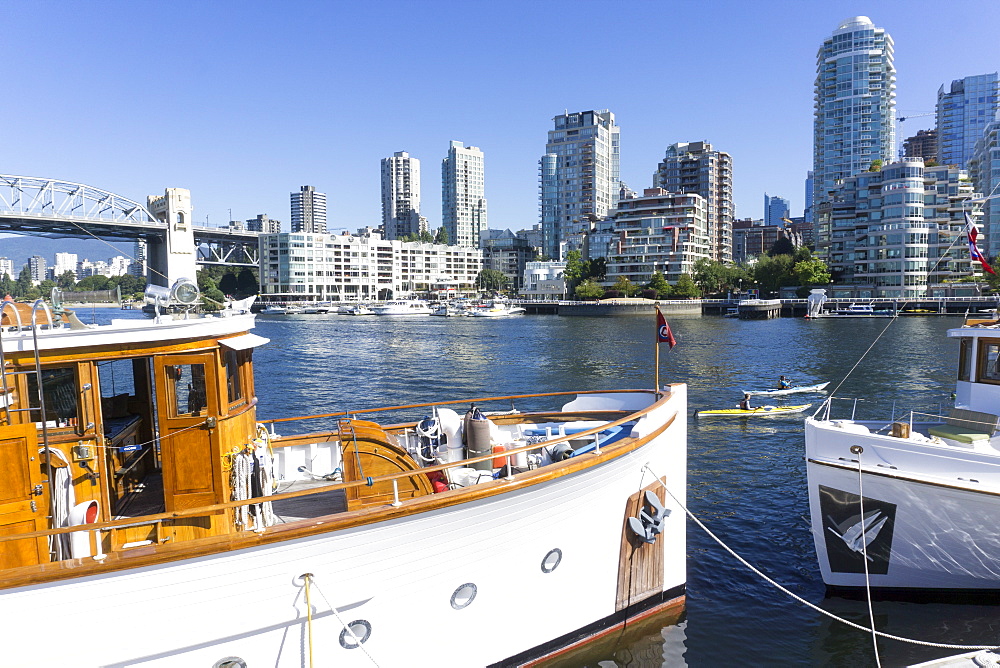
(38, 198)
(232, 253)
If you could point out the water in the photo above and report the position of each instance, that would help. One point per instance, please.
(746, 477)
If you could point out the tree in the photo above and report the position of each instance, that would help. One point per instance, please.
(711, 276)
(442, 236)
(7, 285)
(573, 273)
(625, 287)
(24, 283)
(66, 280)
(685, 288)
(811, 272)
(771, 273)
(426, 237)
(658, 283)
(491, 280)
(228, 285)
(588, 290)
(783, 246)
(95, 282)
(247, 283)
(876, 165)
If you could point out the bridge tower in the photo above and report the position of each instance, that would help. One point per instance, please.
(174, 256)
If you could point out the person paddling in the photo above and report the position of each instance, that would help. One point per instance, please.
(784, 383)
(745, 404)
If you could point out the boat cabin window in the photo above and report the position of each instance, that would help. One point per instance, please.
(989, 357)
(61, 395)
(234, 389)
(186, 390)
(965, 359)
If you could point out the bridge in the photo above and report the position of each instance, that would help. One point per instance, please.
(175, 246)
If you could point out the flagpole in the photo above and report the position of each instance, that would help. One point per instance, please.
(656, 357)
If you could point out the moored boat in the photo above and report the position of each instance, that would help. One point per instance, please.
(274, 309)
(403, 307)
(909, 504)
(161, 504)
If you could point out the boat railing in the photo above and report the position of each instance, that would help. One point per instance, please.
(825, 412)
(97, 529)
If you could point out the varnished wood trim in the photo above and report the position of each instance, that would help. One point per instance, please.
(151, 555)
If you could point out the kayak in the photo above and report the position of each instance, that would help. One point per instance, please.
(791, 390)
(760, 410)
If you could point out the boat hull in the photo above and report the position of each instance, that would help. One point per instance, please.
(405, 578)
(819, 387)
(929, 511)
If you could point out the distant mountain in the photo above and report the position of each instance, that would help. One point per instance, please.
(20, 247)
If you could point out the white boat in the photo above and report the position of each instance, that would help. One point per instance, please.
(861, 311)
(818, 387)
(403, 307)
(274, 309)
(448, 311)
(172, 514)
(496, 310)
(319, 308)
(294, 309)
(931, 486)
(359, 309)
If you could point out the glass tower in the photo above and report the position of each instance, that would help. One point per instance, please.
(962, 114)
(400, 196)
(463, 201)
(578, 176)
(855, 104)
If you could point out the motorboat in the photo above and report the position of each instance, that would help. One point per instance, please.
(448, 311)
(906, 504)
(496, 310)
(359, 309)
(294, 309)
(799, 389)
(274, 309)
(403, 307)
(317, 308)
(549, 520)
(862, 311)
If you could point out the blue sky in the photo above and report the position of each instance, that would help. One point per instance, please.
(243, 102)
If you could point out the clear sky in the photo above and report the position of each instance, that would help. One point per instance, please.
(243, 102)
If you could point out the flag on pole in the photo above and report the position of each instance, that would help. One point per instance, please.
(663, 333)
(973, 234)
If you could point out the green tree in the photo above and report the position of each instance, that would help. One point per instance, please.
(876, 165)
(491, 280)
(442, 236)
(7, 285)
(228, 285)
(659, 283)
(588, 290)
(66, 280)
(771, 273)
(247, 283)
(811, 272)
(95, 282)
(573, 273)
(711, 276)
(626, 287)
(685, 288)
(426, 237)
(783, 246)
(23, 285)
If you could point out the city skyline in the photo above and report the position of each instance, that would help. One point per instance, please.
(182, 118)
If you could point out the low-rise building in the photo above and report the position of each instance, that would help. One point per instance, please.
(301, 266)
(543, 280)
(658, 232)
(507, 253)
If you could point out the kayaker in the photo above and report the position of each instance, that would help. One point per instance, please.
(745, 404)
(784, 383)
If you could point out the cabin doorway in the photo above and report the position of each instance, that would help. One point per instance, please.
(186, 387)
(23, 497)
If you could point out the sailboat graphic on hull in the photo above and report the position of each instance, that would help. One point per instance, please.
(849, 537)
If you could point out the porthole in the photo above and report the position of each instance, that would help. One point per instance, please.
(230, 662)
(551, 560)
(355, 634)
(464, 596)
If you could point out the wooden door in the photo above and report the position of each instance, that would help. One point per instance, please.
(187, 397)
(23, 497)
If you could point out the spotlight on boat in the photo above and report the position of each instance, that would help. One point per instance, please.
(183, 293)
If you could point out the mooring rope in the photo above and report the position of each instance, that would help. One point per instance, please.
(798, 598)
(337, 615)
(864, 553)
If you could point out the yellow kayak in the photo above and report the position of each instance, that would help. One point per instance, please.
(760, 410)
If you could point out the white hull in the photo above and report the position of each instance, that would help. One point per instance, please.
(931, 509)
(819, 387)
(398, 575)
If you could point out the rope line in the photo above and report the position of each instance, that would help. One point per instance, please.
(346, 626)
(798, 598)
(864, 553)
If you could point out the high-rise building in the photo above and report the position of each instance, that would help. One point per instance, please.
(984, 170)
(308, 211)
(463, 200)
(898, 231)
(855, 104)
(579, 177)
(65, 262)
(7, 267)
(264, 224)
(962, 114)
(923, 145)
(775, 210)
(38, 268)
(695, 167)
(401, 196)
(807, 212)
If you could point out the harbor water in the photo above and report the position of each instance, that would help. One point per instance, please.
(746, 477)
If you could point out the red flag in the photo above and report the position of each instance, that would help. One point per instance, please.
(663, 333)
(973, 234)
